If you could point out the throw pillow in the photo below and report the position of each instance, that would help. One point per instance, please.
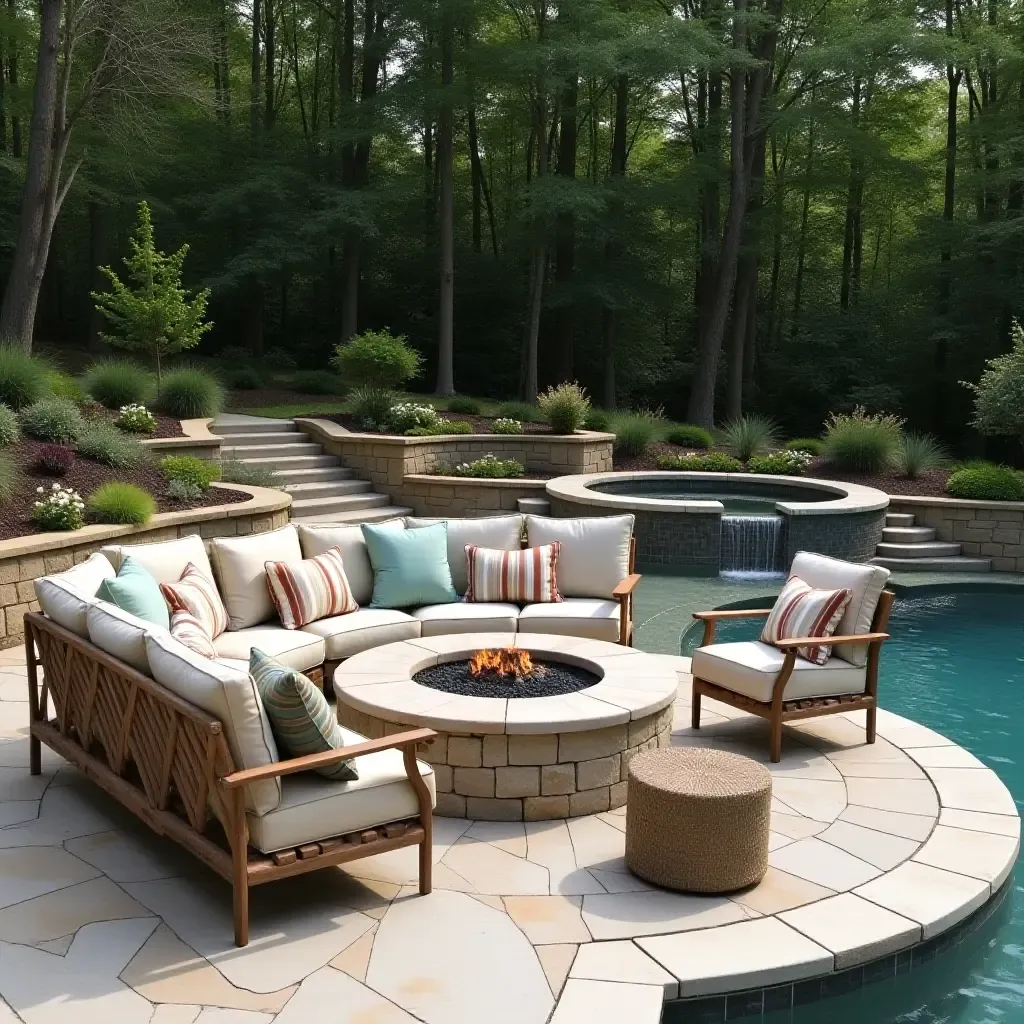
(189, 630)
(527, 576)
(134, 590)
(315, 588)
(410, 567)
(801, 610)
(196, 593)
(300, 717)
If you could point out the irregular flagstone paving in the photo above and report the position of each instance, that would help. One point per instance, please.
(872, 849)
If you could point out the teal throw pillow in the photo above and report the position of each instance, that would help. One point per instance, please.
(410, 567)
(300, 717)
(134, 590)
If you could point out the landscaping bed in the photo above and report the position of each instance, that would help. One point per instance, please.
(480, 424)
(930, 483)
(166, 426)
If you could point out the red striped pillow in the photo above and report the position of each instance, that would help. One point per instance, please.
(803, 611)
(197, 594)
(189, 630)
(315, 588)
(526, 575)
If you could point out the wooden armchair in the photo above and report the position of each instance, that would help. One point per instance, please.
(623, 593)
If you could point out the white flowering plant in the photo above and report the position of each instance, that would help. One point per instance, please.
(781, 463)
(136, 419)
(490, 466)
(507, 425)
(59, 508)
(409, 415)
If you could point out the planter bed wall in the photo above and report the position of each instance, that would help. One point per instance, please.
(196, 440)
(24, 559)
(463, 496)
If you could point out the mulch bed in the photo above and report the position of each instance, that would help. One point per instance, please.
(547, 680)
(480, 424)
(166, 426)
(931, 484)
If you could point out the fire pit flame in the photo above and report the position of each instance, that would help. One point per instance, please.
(502, 661)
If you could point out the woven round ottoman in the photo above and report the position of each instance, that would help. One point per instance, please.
(698, 819)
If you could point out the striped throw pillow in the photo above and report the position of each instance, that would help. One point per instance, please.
(315, 588)
(801, 610)
(527, 576)
(189, 630)
(197, 594)
(300, 717)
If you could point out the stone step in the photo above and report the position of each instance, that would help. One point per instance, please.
(899, 519)
(956, 563)
(326, 488)
(369, 515)
(908, 534)
(342, 503)
(255, 426)
(325, 473)
(288, 464)
(274, 437)
(245, 452)
(933, 549)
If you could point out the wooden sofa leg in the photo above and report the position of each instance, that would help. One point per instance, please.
(776, 740)
(427, 859)
(695, 711)
(241, 894)
(872, 714)
(35, 756)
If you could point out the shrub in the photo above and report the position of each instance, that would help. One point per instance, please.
(406, 416)
(564, 407)
(53, 419)
(199, 472)
(442, 426)
(118, 382)
(712, 462)
(376, 359)
(688, 436)
(862, 442)
(317, 382)
(190, 393)
(634, 432)
(814, 445)
(784, 463)
(520, 411)
(59, 508)
(506, 425)
(10, 478)
(918, 453)
(242, 378)
(54, 459)
(371, 406)
(24, 379)
(490, 466)
(463, 405)
(982, 481)
(103, 442)
(280, 358)
(183, 491)
(10, 432)
(63, 385)
(597, 419)
(234, 472)
(749, 436)
(118, 502)
(999, 393)
(136, 419)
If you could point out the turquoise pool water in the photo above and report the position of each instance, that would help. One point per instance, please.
(955, 663)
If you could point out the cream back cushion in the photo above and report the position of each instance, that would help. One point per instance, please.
(239, 565)
(65, 597)
(230, 696)
(865, 583)
(316, 540)
(120, 633)
(503, 533)
(164, 561)
(594, 557)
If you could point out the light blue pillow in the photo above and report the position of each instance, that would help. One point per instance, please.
(410, 567)
(136, 591)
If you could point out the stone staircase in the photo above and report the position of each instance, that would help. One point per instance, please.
(914, 549)
(322, 489)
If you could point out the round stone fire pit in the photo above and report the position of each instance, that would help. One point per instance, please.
(507, 748)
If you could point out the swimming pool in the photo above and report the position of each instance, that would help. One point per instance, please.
(955, 663)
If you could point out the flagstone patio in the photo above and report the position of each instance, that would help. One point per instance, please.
(873, 849)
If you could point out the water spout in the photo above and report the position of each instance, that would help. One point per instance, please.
(752, 544)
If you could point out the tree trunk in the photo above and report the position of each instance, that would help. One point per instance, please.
(801, 256)
(565, 232)
(270, 56)
(853, 232)
(350, 285)
(480, 188)
(224, 59)
(255, 75)
(538, 260)
(99, 256)
(746, 282)
(446, 158)
(613, 250)
(12, 79)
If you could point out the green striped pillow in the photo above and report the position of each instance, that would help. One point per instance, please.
(299, 715)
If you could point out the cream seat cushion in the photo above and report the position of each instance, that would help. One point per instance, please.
(291, 647)
(574, 616)
(503, 533)
(241, 575)
(865, 583)
(313, 808)
(66, 596)
(315, 540)
(594, 557)
(120, 633)
(164, 561)
(346, 635)
(467, 617)
(751, 668)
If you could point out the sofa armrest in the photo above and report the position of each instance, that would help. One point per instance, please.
(627, 586)
(732, 613)
(623, 593)
(829, 641)
(405, 740)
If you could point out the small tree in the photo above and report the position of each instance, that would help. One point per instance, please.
(152, 313)
(999, 393)
(376, 359)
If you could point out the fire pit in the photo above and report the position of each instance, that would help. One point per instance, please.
(506, 672)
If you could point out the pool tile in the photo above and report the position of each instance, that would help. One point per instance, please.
(979, 821)
(977, 854)
(823, 864)
(608, 1002)
(971, 789)
(621, 961)
(881, 849)
(908, 796)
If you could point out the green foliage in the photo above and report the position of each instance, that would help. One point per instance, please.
(862, 442)
(118, 382)
(918, 453)
(564, 407)
(814, 445)
(190, 393)
(505, 425)
(235, 472)
(712, 462)
(317, 382)
(58, 508)
(749, 436)
(54, 460)
(440, 428)
(200, 472)
(117, 502)
(24, 379)
(152, 313)
(376, 359)
(406, 416)
(782, 463)
(634, 433)
(688, 436)
(63, 385)
(999, 394)
(136, 419)
(53, 419)
(597, 419)
(371, 406)
(986, 482)
(10, 432)
(11, 480)
(463, 405)
(242, 378)
(490, 467)
(520, 411)
(184, 491)
(103, 442)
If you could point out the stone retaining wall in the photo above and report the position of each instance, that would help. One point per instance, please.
(461, 496)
